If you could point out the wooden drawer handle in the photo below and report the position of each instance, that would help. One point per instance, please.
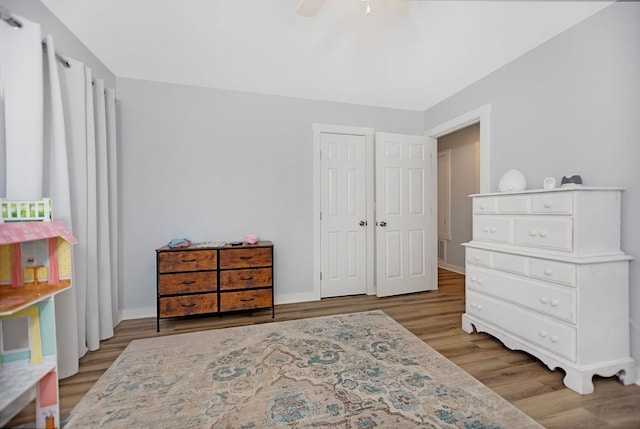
(246, 278)
(189, 260)
(188, 282)
(247, 299)
(246, 257)
(188, 305)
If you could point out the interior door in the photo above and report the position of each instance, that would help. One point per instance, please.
(406, 258)
(343, 214)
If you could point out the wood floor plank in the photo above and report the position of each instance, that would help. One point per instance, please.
(435, 317)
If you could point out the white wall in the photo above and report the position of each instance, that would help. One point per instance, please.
(213, 164)
(571, 106)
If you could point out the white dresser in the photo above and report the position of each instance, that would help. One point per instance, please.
(545, 274)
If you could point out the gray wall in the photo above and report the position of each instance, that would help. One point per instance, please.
(67, 44)
(212, 164)
(571, 106)
(463, 183)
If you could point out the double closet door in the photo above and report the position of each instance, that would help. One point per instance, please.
(377, 203)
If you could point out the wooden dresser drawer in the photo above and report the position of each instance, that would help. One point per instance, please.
(186, 305)
(187, 260)
(246, 279)
(246, 258)
(260, 298)
(185, 283)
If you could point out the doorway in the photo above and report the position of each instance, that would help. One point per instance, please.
(481, 149)
(458, 152)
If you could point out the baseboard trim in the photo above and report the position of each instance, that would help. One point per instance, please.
(143, 312)
(635, 353)
(454, 268)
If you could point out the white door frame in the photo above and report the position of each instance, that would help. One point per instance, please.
(480, 115)
(369, 178)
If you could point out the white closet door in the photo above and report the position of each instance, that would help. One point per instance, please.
(343, 213)
(406, 258)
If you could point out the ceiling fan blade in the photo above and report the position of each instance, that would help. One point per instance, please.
(309, 7)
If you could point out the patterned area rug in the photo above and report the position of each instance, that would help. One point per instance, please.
(360, 370)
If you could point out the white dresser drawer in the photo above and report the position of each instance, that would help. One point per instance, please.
(552, 203)
(513, 204)
(508, 262)
(533, 328)
(545, 232)
(559, 272)
(479, 257)
(485, 205)
(556, 301)
(493, 228)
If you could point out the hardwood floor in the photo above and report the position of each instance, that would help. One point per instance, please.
(435, 318)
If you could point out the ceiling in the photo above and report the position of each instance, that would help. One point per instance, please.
(405, 54)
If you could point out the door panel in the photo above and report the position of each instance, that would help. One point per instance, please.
(343, 206)
(405, 214)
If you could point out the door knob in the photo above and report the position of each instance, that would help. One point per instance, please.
(363, 223)
(383, 223)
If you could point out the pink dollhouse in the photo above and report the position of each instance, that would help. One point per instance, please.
(35, 265)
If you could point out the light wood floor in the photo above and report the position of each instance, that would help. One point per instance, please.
(435, 318)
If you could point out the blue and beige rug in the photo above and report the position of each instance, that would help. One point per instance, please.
(360, 370)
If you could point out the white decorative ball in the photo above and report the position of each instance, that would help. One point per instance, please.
(512, 180)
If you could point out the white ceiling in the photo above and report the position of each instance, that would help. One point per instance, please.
(405, 54)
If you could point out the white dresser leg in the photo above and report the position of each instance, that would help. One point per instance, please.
(581, 382)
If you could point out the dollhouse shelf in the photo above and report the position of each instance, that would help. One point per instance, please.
(13, 300)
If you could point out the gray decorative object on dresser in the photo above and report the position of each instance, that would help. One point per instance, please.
(545, 274)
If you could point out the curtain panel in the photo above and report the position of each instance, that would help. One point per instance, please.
(58, 140)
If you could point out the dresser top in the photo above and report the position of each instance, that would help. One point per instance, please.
(215, 245)
(540, 191)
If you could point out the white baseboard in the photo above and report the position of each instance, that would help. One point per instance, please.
(137, 313)
(142, 312)
(454, 268)
(292, 298)
(635, 353)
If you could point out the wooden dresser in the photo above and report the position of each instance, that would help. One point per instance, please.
(545, 274)
(206, 280)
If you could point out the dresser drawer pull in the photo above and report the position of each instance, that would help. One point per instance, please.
(533, 233)
(247, 299)
(543, 334)
(246, 278)
(476, 258)
(544, 299)
(554, 339)
(554, 303)
(246, 257)
(548, 204)
(548, 271)
(188, 305)
(188, 282)
(543, 234)
(189, 260)
(473, 279)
